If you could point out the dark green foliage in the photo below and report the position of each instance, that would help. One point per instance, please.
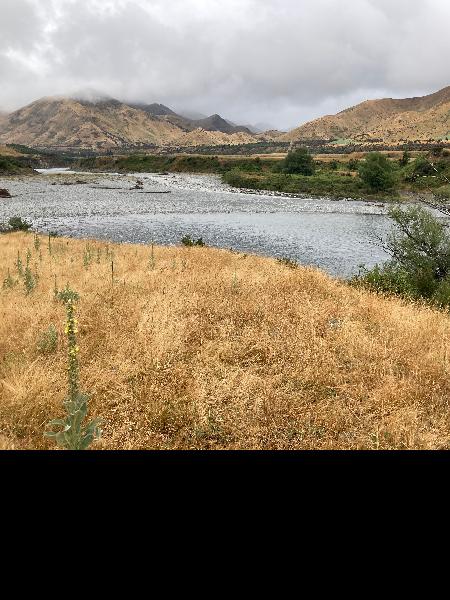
(18, 224)
(421, 167)
(235, 178)
(377, 172)
(189, 242)
(15, 224)
(322, 184)
(288, 262)
(298, 162)
(420, 263)
(14, 166)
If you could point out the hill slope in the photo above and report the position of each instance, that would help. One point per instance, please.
(62, 122)
(179, 356)
(212, 123)
(105, 123)
(203, 137)
(423, 118)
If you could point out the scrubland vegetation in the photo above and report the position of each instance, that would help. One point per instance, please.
(419, 267)
(198, 348)
(10, 165)
(373, 175)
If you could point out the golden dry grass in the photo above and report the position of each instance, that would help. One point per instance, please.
(5, 151)
(214, 349)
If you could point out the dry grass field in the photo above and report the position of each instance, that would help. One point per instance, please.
(211, 349)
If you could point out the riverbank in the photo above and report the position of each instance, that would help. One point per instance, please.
(336, 236)
(199, 348)
(333, 177)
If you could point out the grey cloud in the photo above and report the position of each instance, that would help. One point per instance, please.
(282, 61)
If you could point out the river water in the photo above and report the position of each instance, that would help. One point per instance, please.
(336, 236)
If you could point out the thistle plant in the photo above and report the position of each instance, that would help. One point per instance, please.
(9, 282)
(73, 434)
(37, 242)
(152, 257)
(87, 257)
(19, 265)
(28, 278)
(235, 283)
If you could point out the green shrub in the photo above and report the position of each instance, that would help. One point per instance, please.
(298, 162)
(15, 224)
(421, 167)
(377, 172)
(420, 263)
(189, 242)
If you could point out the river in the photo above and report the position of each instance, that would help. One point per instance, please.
(334, 235)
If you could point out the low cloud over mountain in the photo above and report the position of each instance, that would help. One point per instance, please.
(282, 62)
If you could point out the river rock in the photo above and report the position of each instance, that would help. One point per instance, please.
(4, 193)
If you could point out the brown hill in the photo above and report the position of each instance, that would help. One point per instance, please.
(213, 123)
(202, 137)
(105, 123)
(388, 120)
(62, 122)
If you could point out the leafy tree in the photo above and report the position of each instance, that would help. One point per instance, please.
(420, 263)
(299, 162)
(377, 172)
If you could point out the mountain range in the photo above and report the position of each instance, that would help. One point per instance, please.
(103, 123)
(390, 121)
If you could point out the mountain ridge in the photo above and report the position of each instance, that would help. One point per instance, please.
(100, 122)
(420, 118)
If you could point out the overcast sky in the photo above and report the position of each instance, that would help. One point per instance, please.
(276, 61)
